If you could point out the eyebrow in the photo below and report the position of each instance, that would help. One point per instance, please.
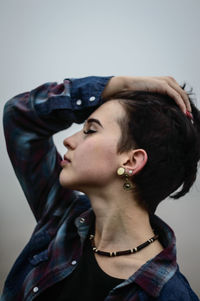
(90, 120)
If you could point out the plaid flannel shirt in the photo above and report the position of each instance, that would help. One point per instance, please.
(64, 216)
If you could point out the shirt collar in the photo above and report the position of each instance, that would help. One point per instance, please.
(154, 274)
(84, 222)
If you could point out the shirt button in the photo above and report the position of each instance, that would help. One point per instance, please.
(35, 289)
(74, 262)
(79, 102)
(92, 98)
(82, 220)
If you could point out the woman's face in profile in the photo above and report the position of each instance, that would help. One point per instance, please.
(94, 158)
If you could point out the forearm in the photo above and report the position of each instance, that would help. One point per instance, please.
(160, 84)
(30, 120)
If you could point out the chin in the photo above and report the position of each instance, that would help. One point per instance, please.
(62, 180)
(64, 183)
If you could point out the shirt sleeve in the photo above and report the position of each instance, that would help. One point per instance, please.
(30, 119)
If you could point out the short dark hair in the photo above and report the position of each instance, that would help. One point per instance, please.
(156, 124)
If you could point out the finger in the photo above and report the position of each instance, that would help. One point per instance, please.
(173, 84)
(167, 89)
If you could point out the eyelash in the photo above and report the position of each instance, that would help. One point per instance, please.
(89, 132)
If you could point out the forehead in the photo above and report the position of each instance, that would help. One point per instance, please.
(109, 112)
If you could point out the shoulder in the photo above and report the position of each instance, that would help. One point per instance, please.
(178, 289)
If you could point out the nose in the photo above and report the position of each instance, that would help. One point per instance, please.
(71, 142)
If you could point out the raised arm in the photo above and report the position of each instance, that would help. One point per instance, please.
(30, 119)
(157, 84)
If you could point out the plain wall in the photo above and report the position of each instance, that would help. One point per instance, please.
(43, 41)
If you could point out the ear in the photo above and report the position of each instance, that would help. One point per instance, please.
(137, 159)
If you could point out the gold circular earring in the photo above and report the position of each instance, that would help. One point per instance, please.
(127, 185)
(121, 171)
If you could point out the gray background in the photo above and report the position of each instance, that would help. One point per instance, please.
(46, 40)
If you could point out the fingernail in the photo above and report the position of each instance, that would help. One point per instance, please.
(189, 115)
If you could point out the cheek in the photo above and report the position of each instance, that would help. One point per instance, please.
(94, 163)
(97, 155)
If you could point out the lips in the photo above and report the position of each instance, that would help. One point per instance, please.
(65, 162)
(67, 159)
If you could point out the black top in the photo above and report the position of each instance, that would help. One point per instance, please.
(87, 282)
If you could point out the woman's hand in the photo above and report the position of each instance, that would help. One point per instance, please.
(160, 84)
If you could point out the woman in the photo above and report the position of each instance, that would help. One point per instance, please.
(107, 243)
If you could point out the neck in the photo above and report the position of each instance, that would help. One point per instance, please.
(120, 223)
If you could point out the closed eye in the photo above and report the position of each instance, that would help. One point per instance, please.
(89, 132)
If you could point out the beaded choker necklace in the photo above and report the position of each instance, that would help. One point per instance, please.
(120, 253)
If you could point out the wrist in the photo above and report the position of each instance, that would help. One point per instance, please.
(114, 85)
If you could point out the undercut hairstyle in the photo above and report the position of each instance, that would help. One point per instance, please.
(155, 123)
